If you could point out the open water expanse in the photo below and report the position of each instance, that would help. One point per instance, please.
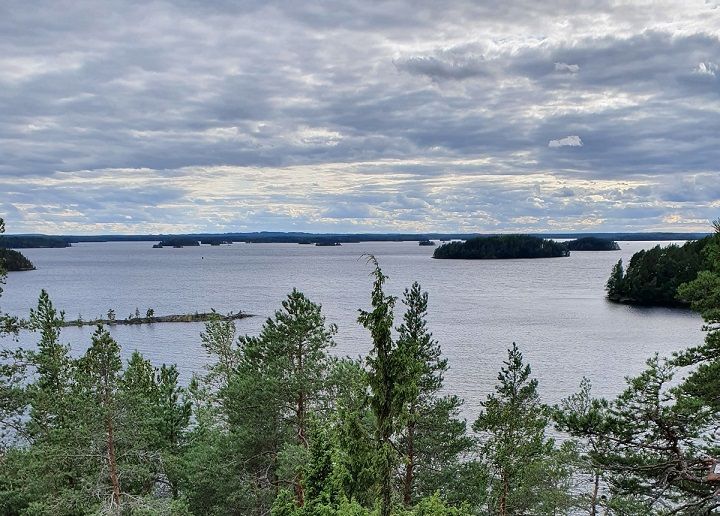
(553, 308)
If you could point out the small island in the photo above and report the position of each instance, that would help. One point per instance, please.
(592, 244)
(328, 244)
(502, 247)
(428, 243)
(15, 261)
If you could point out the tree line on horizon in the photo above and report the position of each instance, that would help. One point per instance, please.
(278, 425)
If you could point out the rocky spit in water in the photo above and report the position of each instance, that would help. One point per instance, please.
(181, 318)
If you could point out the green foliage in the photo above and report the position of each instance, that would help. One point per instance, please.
(527, 474)
(585, 417)
(615, 287)
(266, 390)
(432, 439)
(387, 368)
(653, 276)
(502, 247)
(96, 437)
(648, 445)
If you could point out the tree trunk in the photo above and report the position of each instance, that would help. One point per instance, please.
(302, 439)
(593, 498)
(503, 496)
(301, 430)
(410, 467)
(112, 463)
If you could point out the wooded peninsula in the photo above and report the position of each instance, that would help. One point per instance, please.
(653, 277)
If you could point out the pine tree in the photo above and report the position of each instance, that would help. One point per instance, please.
(99, 378)
(432, 439)
(53, 366)
(268, 387)
(514, 448)
(585, 417)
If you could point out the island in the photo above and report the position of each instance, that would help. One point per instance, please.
(653, 276)
(15, 261)
(592, 244)
(151, 319)
(427, 243)
(328, 244)
(500, 247)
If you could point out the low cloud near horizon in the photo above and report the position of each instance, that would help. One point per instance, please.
(138, 117)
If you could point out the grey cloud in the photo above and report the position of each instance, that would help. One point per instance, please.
(413, 89)
(444, 67)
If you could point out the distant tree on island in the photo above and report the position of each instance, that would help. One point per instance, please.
(177, 242)
(592, 244)
(653, 276)
(500, 247)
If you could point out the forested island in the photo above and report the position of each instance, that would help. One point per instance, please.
(15, 261)
(498, 247)
(592, 244)
(278, 425)
(653, 276)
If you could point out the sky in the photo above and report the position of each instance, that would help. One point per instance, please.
(359, 115)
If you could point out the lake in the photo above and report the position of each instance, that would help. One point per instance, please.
(553, 308)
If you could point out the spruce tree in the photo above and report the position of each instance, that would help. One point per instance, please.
(615, 287)
(387, 368)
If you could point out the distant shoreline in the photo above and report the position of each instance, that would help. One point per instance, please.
(26, 241)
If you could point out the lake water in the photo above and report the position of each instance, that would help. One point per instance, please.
(553, 308)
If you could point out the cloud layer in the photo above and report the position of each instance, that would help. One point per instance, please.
(357, 116)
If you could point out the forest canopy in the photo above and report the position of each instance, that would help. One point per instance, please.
(498, 247)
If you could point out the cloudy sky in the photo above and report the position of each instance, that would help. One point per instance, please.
(359, 115)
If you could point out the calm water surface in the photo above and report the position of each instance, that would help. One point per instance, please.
(553, 308)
